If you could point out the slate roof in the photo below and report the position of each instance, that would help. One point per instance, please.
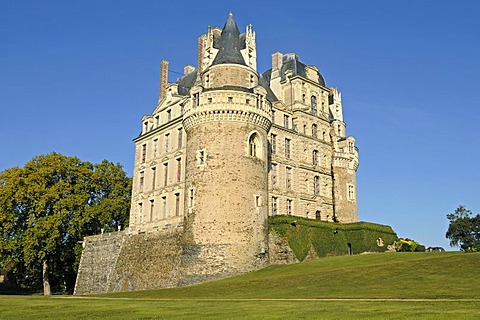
(291, 61)
(229, 44)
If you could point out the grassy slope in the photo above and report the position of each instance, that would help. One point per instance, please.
(382, 276)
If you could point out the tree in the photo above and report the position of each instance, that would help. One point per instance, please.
(464, 229)
(47, 207)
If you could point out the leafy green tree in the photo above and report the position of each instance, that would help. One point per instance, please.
(464, 229)
(47, 207)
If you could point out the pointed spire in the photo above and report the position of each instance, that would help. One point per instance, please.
(229, 44)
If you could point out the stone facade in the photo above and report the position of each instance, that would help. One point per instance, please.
(225, 148)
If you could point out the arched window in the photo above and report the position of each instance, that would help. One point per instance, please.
(313, 104)
(317, 215)
(314, 130)
(254, 146)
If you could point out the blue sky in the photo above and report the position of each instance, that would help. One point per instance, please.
(77, 76)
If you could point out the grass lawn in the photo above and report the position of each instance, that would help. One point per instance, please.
(428, 286)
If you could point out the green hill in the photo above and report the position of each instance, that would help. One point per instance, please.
(373, 286)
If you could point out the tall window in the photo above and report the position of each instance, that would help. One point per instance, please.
(157, 121)
(167, 142)
(317, 215)
(191, 198)
(140, 212)
(313, 104)
(316, 185)
(154, 177)
(274, 143)
(169, 115)
(177, 204)
(164, 207)
(155, 148)
(144, 152)
(179, 169)
(315, 157)
(314, 130)
(287, 148)
(196, 99)
(303, 98)
(254, 145)
(274, 174)
(274, 206)
(285, 121)
(165, 174)
(288, 178)
(289, 207)
(142, 180)
(180, 138)
(152, 206)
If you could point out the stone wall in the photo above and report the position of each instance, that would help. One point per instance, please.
(98, 260)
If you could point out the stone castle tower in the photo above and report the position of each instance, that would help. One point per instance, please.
(225, 148)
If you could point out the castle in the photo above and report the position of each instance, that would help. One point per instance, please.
(225, 148)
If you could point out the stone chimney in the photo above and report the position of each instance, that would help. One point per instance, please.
(163, 79)
(188, 69)
(276, 64)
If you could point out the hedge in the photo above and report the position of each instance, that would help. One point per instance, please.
(329, 238)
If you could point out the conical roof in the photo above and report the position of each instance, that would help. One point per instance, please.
(229, 44)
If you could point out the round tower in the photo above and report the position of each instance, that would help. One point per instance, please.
(226, 121)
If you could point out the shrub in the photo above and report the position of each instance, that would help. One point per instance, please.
(328, 238)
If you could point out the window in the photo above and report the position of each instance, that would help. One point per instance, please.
(142, 180)
(274, 143)
(316, 185)
(339, 127)
(247, 101)
(288, 178)
(144, 152)
(289, 207)
(210, 100)
(164, 207)
(152, 206)
(254, 145)
(169, 115)
(287, 148)
(274, 206)
(165, 174)
(304, 129)
(350, 147)
(180, 138)
(196, 99)
(191, 198)
(258, 201)
(351, 192)
(314, 130)
(140, 212)
(201, 157)
(154, 177)
(274, 174)
(167, 142)
(230, 100)
(303, 98)
(155, 148)
(313, 104)
(179, 169)
(315, 157)
(157, 121)
(285, 121)
(177, 204)
(317, 215)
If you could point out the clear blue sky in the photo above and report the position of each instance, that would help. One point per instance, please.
(77, 76)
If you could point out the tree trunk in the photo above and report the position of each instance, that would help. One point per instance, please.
(46, 281)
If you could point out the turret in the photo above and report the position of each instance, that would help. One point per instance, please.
(226, 121)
